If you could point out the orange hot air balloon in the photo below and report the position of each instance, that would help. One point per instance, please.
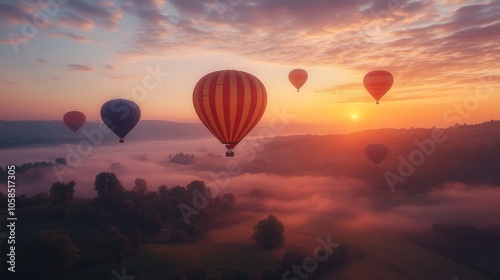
(74, 120)
(229, 103)
(298, 78)
(378, 83)
(376, 152)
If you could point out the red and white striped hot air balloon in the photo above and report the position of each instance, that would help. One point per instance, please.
(378, 83)
(229, 103)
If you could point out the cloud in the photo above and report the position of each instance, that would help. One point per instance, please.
(79, 67)
(13, 12)
(71, 36)
(109, 67)
(124, 77)
(105, 13)
(302, 203)
(41, 60)
(70, 20)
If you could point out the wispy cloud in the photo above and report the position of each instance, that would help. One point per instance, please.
(71, 36)
(125, 77)
(79, 67)
(109, 67)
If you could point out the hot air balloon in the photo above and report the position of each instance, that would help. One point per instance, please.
(376, 152)
(298, 78)
(74, 120)
(229, 103)
(378, 83)
(120, 115)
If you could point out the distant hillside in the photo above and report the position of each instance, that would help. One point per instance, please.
(24, 133)
(469, 154)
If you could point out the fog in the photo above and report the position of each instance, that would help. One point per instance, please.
(302, 203)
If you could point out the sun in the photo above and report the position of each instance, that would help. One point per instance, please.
(354, 117)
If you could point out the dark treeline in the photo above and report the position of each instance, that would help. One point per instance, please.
(58, 233)
(24, 168)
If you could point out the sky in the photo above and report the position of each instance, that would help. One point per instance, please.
(59, 55)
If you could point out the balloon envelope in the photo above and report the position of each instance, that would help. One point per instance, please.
(378, 83)
(74, 120)
(229, 103)
(121, 116)
(376, 152)
(298, 78)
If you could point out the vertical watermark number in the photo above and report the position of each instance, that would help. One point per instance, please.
(11, 217)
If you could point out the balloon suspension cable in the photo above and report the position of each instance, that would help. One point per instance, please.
(229, 153)
(121, 140)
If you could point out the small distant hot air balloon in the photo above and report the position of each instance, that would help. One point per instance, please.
(378, 83)
(229, 103)
(376, 152)
(121, 116)
(74, 120)
(298, 78)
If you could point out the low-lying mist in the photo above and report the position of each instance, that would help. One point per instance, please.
(302, 203)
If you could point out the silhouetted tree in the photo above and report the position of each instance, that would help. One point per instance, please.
(228, 202)
(54, 252)
(269, 274)
(178, 191)
(119, 246)
(181, 158)
(60, 161)
(107, 183)
(197, 190)
(61, 193)
(179, 236)
(140, 187)
(293, 255)
(163, 190)
(40, 198)
(269, 232)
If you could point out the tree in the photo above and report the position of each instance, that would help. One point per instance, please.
(140, 187)
(269, 232)
(228, 202)
(61, 193)
(107, 183)
(119, 246)
(197, 190)
(40, 198)
(61, 161)
(163, 190)
(293, 256)
(53, 252)
(268, 274)
(179, 236)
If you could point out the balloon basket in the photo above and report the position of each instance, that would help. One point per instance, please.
(121, 141)
(229, 153)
